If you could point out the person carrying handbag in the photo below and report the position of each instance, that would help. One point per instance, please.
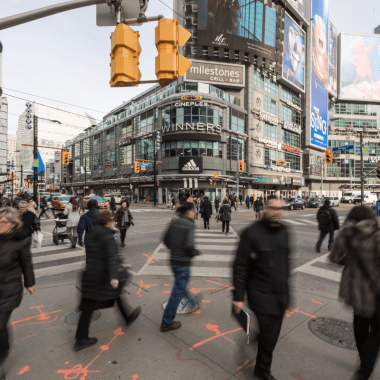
(123, 219)
(225, 216)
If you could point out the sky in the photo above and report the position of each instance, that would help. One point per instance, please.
(66, 58)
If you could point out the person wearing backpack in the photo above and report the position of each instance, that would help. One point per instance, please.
(328, 222)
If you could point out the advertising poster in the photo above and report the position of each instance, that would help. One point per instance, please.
(359, 66)
(333, 59)
(248, 26)
(293, 68)
(316, 164)
(319, 74)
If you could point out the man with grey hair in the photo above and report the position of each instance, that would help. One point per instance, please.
(30, 221)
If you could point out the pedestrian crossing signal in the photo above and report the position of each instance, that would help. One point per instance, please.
(65, 158)
(137, 167)
(328, 156)
(378, 173)
(241, 165)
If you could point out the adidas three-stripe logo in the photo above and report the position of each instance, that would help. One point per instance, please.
(191, 165)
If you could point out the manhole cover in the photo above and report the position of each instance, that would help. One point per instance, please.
(334, 331)
(73, 318)
(184, 307)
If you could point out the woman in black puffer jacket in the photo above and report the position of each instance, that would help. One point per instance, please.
(103, 278)
(14, 259)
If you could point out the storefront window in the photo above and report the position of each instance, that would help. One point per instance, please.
(98, 139)
(77, 167)
(77, 150)
(193, 148)
(111, 157)
(145, 149)
(98, 161)
(192, 115)
(271, 132)
(86, 145)
(126, 154)
(233, 146)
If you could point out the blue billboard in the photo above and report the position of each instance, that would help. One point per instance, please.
(319, 74)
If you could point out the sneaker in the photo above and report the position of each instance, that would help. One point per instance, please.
(80, 344)
(174, 326)
(134, 315)
(318, 248)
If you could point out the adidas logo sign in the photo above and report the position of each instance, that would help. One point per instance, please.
(191, 165)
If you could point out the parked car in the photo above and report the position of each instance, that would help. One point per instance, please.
(294, 203)
(101, 202)
(334, 201)
(117, 197)
(315, 202)
(368, 199)
(61, 202)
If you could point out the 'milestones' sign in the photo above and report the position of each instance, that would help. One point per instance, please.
(199, 127)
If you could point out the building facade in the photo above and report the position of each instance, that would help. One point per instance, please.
(11, 149)
(3, 135)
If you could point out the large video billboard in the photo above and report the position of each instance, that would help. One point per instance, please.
(319, 74)
(293, 68)
(359, 66)
(333, 59)
(245, 25)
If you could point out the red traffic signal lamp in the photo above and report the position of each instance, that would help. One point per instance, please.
(125, 53)
(65, 158)
(137, 167)
(328, 156)
(169, 63)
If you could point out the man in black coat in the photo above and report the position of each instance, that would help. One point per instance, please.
(261, 269)
(30, 221)
(206, 212)
(328, 222)
(233, 202)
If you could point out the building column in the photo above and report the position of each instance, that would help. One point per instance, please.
(159, 195)
(224, 190)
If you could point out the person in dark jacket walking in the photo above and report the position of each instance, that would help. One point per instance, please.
(258, 207)
(261, 268)
(206, 212)
(233, 202)
(247, 202)
(87, 222)
(102, 280)
(113, 205)
(179, 238)
(30, 222)
(357, 247)
(216, 203)
(17, 200)
(123, 219)
(15, 259)
(81, 203)
(328, 222)
(225, 213)
(251, 200)
(241, 199)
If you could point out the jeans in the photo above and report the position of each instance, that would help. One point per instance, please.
(123, 233)
(226, 226)
(322, 237)
(206, 222)
(4, 338)
(181, 274)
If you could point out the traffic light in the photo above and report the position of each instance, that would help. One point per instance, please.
(169, 63)
(137, 167)
(241, 165)
(65, 158)
(158, 183)
(378, 169)
(125, 52)
(211, 182)
(328, 156)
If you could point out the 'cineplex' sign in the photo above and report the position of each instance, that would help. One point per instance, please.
(191, 101)
(200, 127)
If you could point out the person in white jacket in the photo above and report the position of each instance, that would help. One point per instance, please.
(72, 212)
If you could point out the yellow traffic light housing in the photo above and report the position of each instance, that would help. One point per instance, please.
(241, 165)
(65, 158)
(137, 167)
(125, 53)
(328, 156)
(169, 63)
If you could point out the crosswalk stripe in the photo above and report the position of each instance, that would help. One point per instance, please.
(228, 258)
(324, 273)
(194, 271)
(219, 240)
(58, 256)
(50, 248)
(310, 222)
(64, 268)
(291, 221)
(215, 247)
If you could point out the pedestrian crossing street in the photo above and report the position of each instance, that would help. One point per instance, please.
(217, 253)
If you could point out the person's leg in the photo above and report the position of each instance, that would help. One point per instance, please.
(122, 236)
(331, 240)
(131, 317)
(179, 291)
(223, 225)
(227, 226)
(208, 223)
(322, 236)
(75, 235)
(270, 327)
(70, 231)
(205, 223)
(361, 332)
(84, 320)
(4, 338)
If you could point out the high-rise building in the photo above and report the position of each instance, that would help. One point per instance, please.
(11, 148)
(3, 135)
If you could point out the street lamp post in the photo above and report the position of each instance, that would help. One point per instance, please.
(362, 166)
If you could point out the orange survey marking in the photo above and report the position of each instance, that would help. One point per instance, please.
(135, 377)
(23, 370)
(42, 317)
(30, 336)
(290, 312)
(297, 376)
(218, 334)
(317, 302)
(142, 286)
(224, 285)
(150, 260)
(205, 301)
(79, 370)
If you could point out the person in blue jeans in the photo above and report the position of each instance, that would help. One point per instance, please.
(179, 238)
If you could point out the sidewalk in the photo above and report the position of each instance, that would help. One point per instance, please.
(209, 345)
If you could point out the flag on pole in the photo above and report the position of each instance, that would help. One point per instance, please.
(41, 166)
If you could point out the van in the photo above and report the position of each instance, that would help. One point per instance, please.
(334, 201)
(368, 199)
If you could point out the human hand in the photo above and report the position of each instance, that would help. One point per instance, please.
(30, 289)
(115, 283)
(238, 306)
(80, 242)
(37, 232)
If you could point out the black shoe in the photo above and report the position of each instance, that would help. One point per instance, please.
(73, 245)
(174, 326)
(264, 376)
(122, 245)
(208, 227)
(318, 248)
(80, 344)
(133, 316)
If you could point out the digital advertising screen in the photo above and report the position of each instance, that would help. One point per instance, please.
(245, 25)
(319, 74)
(359, 66)
(293, 67)
(333, 60)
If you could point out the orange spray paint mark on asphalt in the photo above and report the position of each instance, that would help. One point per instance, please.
(23, 370)
(149, 260)
(42, 317)
(135, 377)
(30, 336)
(320, 303)
(205, 301)
(218, 334)
(223, 285)
(242, 366)
(79, 370)
(292, 311)
(297, 376)
(142, 286)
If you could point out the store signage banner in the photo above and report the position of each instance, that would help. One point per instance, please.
(269, 180)
(319, 74)
(198, 127)
(190, 165)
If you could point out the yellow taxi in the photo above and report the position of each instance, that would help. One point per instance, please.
(61, 202)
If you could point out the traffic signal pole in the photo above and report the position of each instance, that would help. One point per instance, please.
(35, 156)
(361, 168)
(154, 173)
(238, 175)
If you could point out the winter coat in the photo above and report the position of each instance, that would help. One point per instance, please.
(32, 206)
(206, 208)
(30, 222)
(357, 247)
(247, 200)
(87, 224)
(179, 238)
(119, 219)
(113, 204)
(261, 268)
(258, 205)
(225, 212)
(16, 201)
(216, 203)
(15, 259)
(233, 201)
(72, 216)
(81, 201)
(334, 222)
(102, 262)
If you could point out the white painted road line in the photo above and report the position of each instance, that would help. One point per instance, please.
(50, 271)
(228, 258)
(292, 221)
(310, 222)
(323, 273)
(219, 240)
(302, 267)
(194, 271)
(216, 247)
(58, 256)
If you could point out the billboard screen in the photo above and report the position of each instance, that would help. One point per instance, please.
(302, 7)
(293, 67)
(333, 59)
(319, 74)
(359, 66)
(245, 25)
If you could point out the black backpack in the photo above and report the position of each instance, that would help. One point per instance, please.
(324, 217)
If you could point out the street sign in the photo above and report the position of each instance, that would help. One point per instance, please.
(216, 176)
(142, 167)
(336, 154)
(12, 169)
(378, 208)
(345, 147)
(145, 164)
(35, 163)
